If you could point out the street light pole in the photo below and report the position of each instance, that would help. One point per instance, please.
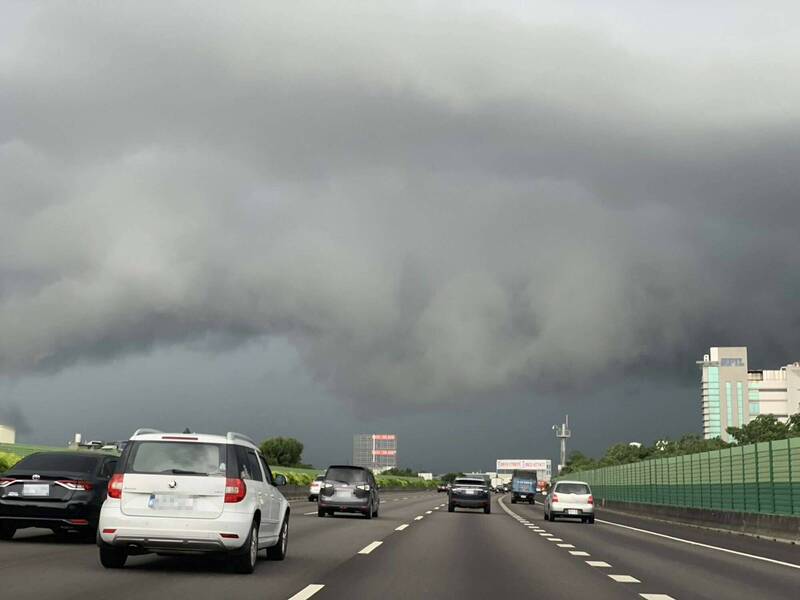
(562, 433)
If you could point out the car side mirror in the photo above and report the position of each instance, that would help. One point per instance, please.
(377, 487)
(280, 480)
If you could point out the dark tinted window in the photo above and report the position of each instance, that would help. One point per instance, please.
(266, 468)
(572, 488)
(178, 458)
(108, 469)
(248, 464)
(58, 462)
(480, 482)
(345, 475)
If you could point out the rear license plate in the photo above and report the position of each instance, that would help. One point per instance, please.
(523, 495)
(573, 511)
(36, 489)
(167, 502)
(470, 492)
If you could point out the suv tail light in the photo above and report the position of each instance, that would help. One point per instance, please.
(72, 484)
(115, 486)
(554, 498)
(6, 481)
(591, 499)
(235, 490)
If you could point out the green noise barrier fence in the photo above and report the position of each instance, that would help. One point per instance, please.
(759, 478)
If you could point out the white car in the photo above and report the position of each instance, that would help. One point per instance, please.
(313, 489)
(570, 499)
(188, 493)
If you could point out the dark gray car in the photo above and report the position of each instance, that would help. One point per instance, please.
(348, 489)
(469, 492)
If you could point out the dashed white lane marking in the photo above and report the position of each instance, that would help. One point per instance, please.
(419, 518)
(552, 539)
(427, 512)
(369, 547)
(565, 545)
(311, 513)
(406, 498)
(546, 534)
(699, 545)
(307, 591)
(401, 527)
(579, 553)
(600, 564)
(656, 597)
(624, 579)
(436, 507)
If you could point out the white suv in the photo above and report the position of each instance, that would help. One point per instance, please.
(187, 493)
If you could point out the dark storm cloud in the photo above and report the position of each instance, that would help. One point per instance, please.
(433, 206)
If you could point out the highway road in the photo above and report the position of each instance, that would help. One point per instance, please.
(416, 549)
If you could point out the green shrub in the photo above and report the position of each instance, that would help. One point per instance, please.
(8, 460)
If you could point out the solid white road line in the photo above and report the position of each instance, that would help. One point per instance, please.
(699, 545)
(601, 564)
(401, 527)
(418, 518)
(579, 553)
(624, 579)
(307, 591)
(656, 597)
(369, 548)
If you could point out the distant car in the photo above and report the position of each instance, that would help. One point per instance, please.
(442, 487)
(61, 491)
(350, 489)
(570, 499)
(313, 489)
(469, 492)
(193, 493)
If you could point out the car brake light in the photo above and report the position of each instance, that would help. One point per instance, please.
(6, 481)
(72, 484)
(235, 490)
(591, 499)
(178, 437)
(77, 521)
(109, 530)
(555, 498)
(115, 486)
(230, 536)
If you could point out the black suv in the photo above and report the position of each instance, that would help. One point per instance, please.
(348, 489)
(61, 491)
(469, 492)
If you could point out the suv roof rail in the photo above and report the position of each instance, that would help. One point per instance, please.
(143, 430)
(232, 436)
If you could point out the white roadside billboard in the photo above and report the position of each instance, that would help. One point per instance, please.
(542, 466)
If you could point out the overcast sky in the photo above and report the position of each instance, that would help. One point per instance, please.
(453, 221)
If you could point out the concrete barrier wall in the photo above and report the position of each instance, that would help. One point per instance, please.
(782, 527)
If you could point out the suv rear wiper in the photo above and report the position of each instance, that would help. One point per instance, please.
(182, 472)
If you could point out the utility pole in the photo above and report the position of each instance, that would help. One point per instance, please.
(562, 433)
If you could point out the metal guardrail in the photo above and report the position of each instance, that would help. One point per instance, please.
(758, 478)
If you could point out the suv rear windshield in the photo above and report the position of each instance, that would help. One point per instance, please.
(57, 461)
(573, 488)
(345, 475)
(479, 482)
(178, 458)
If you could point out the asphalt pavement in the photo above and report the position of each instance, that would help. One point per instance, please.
(416, 549)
